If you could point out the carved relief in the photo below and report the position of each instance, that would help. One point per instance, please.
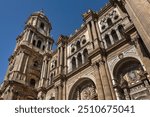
(88, 93)
(85, 91)
(128, 53)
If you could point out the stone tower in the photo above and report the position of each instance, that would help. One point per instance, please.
(107, 58)
(27, 65)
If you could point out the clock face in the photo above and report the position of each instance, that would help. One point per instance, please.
(132, 75)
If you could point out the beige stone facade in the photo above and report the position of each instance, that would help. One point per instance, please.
(107, 58)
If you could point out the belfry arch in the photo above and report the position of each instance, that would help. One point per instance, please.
(83, 89)
(131, 82)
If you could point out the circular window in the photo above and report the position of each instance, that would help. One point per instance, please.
(72, 50)
(103, 27)
(116, 17)
(84, 41)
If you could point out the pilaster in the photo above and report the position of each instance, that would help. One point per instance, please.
(99, 85)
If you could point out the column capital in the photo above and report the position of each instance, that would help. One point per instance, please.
(98, 63)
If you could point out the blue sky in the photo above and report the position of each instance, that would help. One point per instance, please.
(64, 15)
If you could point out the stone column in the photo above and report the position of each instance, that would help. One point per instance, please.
(90, 35)
(61, 55)
(94, 30)
(105, 81)
(45, 69)
(61, 59)
(111, 39)
(119, 35)
(105, 45)
(65, 59)
(99, 85)
(69, 65)
(43, 72)
(60, 90)
(47, 46)
(78, 94)
(32, 38)
(83, 61)
(56, 93)
(58, 60)
(27, 35)
(117, 93)
(20, 61)
(98, 31)
(76, 62)
(26, 64)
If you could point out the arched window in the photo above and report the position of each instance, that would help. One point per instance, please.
(43, 48)
(78, 45)
(85, 54)
(73, 50)
(128, 72)
(109, 22)
(114, 35)
(39, 44)
(121, 30)
(42, 25)
(79, 57)
(83, 39)
(73, 63)
(55, 63)
(34, 42)
(51, 79)
(32, 83)
(107, 39)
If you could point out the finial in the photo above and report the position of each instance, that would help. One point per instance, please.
(42, 11)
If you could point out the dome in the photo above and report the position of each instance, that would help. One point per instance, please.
(40, 14)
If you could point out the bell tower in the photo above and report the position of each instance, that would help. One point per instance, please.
(27, 65)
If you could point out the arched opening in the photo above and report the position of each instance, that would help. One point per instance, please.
(109, 22)
(114, 35)
(39, 44)
(83, 40)
(107, 39)
(34, 42)
(130, 79)
(85, 54)
(121, 30)
(32, 83)
(79, 57)
(73, 50)
(42, 25)
(83, 89)
(78, 45)
(74, 63)
(43, 48)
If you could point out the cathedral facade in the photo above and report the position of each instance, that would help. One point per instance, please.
(107, 58)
